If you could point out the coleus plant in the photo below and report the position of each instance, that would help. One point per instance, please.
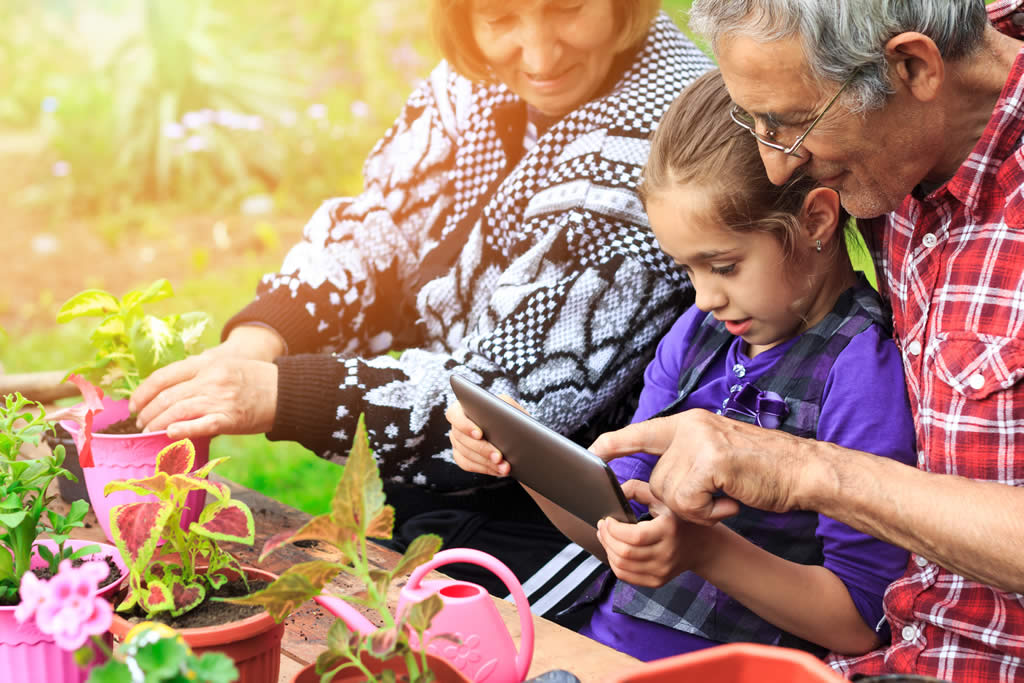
(358, 513)
(159, 583)
(130, 344)
(24, 502)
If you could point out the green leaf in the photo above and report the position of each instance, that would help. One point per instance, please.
(297, 585)
(159, 290)
(12, 519)
(419, 615)
(162, 658)
(321, 528)
(359, 497)
(419, 551)
(215, 667)
(111, 672)
(87, 303)
(155, 344)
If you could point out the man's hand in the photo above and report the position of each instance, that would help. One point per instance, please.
(709, 462)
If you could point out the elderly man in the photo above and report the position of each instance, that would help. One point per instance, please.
(914, 111)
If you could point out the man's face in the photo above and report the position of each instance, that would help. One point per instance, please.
(873, 160)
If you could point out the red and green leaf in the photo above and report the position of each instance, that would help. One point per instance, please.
(155, 597)
(176, 458)
(158, 483)
(228, 520)
(186, 596)
(136, 528)
(359, 496)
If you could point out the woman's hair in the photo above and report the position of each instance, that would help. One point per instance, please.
(697, 142)
(845, 39)
(453, 32)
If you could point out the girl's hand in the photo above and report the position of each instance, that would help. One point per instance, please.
(652, 552)
(471, 452)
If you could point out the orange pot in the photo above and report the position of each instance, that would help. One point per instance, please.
(442, 670)
(736, 663)
(253, 643)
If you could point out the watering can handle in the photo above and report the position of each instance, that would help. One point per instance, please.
(508, 578)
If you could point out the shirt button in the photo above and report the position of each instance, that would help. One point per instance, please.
(920, 561)
(908, 632)
(977, 381)
(914, 348)
(930, 240)
(739, 370)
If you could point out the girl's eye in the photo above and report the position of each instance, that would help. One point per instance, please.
(498, 22)
(723, 270)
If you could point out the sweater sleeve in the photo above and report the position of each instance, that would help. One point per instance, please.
(865, 408)
(343, 284)
(612, 315)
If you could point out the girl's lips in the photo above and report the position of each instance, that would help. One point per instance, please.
(738, 327)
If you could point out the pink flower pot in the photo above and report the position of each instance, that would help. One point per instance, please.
(28, 654)
(129, 456)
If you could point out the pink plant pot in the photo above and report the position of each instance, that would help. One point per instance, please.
(129, 456)
(28, 654)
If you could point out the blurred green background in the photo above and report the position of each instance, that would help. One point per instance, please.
(187, 139)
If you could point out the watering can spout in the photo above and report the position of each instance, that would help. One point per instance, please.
(346, 612)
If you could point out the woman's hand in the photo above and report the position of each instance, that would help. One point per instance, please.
(652, 552)
(206, 395)
(471, 452)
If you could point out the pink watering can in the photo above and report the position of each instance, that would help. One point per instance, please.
(485, 651)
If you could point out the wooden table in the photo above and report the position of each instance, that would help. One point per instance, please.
(305, 632)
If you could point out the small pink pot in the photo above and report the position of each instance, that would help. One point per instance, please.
(28, 654)
(129, 456)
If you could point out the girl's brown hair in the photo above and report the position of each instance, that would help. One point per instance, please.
(697, 142)
(453, 32)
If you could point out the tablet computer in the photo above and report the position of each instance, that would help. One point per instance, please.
(551, 464)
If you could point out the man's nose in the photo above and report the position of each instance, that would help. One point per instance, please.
(779, 165)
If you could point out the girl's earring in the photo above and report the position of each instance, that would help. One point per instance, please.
(817, 245)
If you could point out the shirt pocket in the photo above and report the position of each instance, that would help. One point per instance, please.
(976, 365)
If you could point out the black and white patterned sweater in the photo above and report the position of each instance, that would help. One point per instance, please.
(558, 294)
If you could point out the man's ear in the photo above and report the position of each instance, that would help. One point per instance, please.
(916, 62)
(820, 215)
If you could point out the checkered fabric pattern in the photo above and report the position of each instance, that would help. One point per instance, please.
(557, 297)
(953, 268)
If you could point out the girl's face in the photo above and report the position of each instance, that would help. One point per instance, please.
(554, 54)
(744, 279)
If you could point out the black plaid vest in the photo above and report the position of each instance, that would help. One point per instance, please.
(688, 602)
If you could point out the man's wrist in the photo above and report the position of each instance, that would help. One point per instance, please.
(817, 484)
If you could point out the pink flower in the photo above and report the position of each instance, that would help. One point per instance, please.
(67, 606)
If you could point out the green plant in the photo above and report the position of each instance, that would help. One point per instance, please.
(23, 497)
(129, 343)
(174, 583)
(358, 513)
(162, 656)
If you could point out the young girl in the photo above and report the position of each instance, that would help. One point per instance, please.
(784, 335)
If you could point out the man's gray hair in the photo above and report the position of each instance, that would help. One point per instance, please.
(841, 38)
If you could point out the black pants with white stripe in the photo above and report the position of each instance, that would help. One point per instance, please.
(503, 521)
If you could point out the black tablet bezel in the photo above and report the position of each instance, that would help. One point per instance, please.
(549, 463)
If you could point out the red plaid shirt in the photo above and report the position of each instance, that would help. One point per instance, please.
(952, 264)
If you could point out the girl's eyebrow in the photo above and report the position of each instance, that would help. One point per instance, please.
(713, 254)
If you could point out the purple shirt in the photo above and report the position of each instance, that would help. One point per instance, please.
(864, 407)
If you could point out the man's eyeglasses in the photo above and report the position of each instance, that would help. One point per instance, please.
(768, 139)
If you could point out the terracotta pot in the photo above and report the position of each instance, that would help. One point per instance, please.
(28, 654)
(129, 456)
(253, 643)
(735, 663)
(442, 670)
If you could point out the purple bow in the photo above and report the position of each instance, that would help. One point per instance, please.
(766, 407)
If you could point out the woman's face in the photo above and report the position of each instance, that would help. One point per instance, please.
(555, 54)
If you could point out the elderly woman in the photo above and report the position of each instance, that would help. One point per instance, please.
(499, 233)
